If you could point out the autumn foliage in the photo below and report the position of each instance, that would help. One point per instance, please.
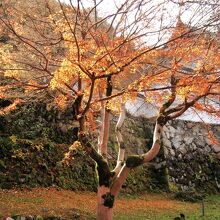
(98, 63)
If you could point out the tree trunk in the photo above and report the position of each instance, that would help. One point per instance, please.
(103, 212)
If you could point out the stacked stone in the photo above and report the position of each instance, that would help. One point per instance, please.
(192, 159)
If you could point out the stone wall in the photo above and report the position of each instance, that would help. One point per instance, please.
(33, 141)
(193, 161)
(187, 151)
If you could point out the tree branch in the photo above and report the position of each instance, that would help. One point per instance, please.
(121, 145)
(104, 134)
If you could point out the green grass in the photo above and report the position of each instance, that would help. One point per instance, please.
(160, 206)
(212, 212)
(29, 200)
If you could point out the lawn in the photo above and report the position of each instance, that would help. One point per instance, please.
(57, 202)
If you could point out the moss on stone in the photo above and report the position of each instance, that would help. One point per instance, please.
(41, 143)
(32, 163)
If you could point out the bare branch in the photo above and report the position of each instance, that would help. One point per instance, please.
(121, 145)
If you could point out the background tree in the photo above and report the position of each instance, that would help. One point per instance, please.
(97, 63)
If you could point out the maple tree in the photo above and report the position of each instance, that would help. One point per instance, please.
(98, 63)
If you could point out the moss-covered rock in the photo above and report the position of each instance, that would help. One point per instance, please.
(37, 120)
(38, 163)
(34, 139)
